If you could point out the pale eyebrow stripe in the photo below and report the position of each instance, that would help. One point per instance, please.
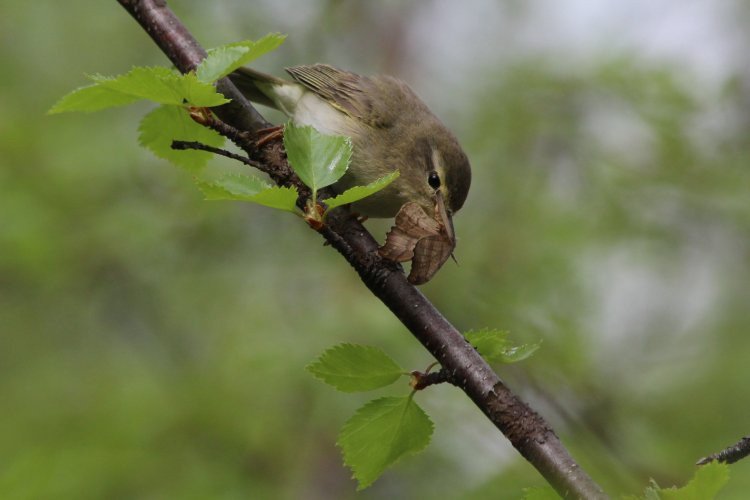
(437, 165)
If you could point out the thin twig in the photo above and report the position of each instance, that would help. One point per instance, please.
(243, 139)
(199, 146)
(729, 455)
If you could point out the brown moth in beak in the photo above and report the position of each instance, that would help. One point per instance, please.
(426, 241)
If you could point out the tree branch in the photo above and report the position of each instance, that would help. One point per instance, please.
(729, 455)
(525, 429)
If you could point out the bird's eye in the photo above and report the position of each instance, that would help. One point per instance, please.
(433, 179)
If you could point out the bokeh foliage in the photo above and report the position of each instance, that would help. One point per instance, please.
(153, 345)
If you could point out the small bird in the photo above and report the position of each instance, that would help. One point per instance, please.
(391, 128)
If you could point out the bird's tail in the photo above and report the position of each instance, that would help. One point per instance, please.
(254, 84)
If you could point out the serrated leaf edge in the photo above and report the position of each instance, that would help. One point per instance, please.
(311, 367)
(386, 180)
(409, 400)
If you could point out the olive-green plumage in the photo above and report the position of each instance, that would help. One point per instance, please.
(390, 128)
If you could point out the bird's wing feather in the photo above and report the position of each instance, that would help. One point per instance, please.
(344, 90)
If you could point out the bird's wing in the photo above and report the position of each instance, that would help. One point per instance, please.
(344, 90)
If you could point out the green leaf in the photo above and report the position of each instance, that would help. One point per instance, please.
(218, 63)
(354, 368)
(233, 187)
(159, 84)
(166, 85)
(258, 48)
(246, 188)
(489, 342)
(358, 192)
(167, 123)
(163, 85)
(155, 83)
(223, 60)
(706, 483)
(650, 493)
(91, 98)
(197, 93)
(319, 160)
(514, 354)
(494, 346)
(380, 433)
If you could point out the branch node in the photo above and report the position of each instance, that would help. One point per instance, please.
(421, 380)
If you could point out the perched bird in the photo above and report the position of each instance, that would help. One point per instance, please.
(390, 129)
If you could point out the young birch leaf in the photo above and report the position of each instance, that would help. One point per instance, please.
(155, 83)
(91, 98)
(514, 354)
(218, 63)
(236, 54)
(166, 123)
(358, 192)
(197, 93)
(650, 493)
(706, 483)
(281, 198)
(258, 48)
(246, 188)
(233, 187)
(319, 160)
(490, 343)
(380, 433)
(163, 85)
(355, 368)
(494, 346)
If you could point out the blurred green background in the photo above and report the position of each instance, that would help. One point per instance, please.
(152, 345)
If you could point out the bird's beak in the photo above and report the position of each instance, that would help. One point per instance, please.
(446, 218)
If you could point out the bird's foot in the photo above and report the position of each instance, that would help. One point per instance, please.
(267, 135)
